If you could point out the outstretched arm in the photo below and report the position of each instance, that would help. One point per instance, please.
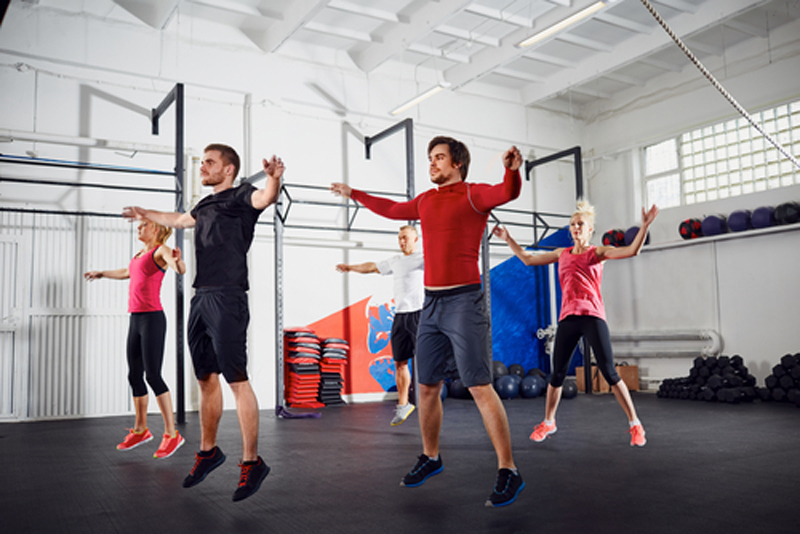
(382, 206)
(526, 257)
(116, 274)
(165, 218)
(363, 268)
(273, 168)
(619, 253)
(171, 257)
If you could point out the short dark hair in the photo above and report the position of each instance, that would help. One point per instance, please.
(229, 156)
(458, 152)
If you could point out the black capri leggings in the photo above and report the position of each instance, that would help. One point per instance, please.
(146, 352)
(569, 332)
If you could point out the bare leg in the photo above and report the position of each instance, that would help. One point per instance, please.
(247, 410)
(553, 399)
(624, 399)
(140, 406)
(496, 422)
(403, 379)
(165, 405)
(430, 417)
(210, 411)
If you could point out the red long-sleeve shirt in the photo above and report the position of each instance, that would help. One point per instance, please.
(453, 218)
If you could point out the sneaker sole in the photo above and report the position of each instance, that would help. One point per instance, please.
(421, 482)
(403, 420)
(490, 504)
(202, 478)
(545, 436)
(639, 444)
(148, 440)
(255, 489)
(180, 444)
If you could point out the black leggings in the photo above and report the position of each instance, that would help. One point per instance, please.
(569, 332)
(146, 352)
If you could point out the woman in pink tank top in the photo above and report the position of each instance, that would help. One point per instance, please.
(580, 273)
(147, 332)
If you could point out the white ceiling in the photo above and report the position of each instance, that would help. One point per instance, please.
(472, 44)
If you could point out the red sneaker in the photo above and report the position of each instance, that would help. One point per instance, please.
(169, 445)
(637, 436)
(542, 430)
(134, 439)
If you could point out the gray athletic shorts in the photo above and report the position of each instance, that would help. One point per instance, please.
(453, 334)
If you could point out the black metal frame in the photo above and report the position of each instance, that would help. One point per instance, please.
(176, 96)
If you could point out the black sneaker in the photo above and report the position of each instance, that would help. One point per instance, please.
(253, 474)
(424, 469)
(507, 488)
(203, 465)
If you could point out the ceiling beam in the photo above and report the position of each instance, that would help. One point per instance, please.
(467, 35)
(626, 24)
(371, 12)
(584, 42)
(154, 13)
(749, 29)
(420, 23)
(297, 14)
(518, 74)
(535, 11)
(639, 47)
(678, 5)
(487, 60)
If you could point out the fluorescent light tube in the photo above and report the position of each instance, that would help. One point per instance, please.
(559, 26)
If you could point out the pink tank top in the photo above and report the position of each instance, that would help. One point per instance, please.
(581, 276)
(144, 292)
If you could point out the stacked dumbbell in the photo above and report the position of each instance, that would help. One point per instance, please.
(783, 385)
(723, 379)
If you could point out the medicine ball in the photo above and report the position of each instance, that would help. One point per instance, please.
(788, 212)
(535, 371)
(443, 392)
(458, 390)
(570, 389)
(499, 369)
(630, 235)
(516, 369)
(507, 387)
(763, 217)
(691, 228)
(614, 238)
(715, 225)
(530, 387)
(739, 221)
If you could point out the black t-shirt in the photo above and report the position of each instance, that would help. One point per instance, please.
(224, 226)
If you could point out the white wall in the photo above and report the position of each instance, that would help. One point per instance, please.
(81, 80)
(743, 287)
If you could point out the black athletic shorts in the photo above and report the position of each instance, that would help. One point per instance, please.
(217, 332)
(404, 335)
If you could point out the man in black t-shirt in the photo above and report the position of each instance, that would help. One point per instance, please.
(224, 224)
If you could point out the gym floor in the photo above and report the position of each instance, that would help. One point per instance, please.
(710, 468)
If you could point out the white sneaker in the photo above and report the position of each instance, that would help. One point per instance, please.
(401, 413)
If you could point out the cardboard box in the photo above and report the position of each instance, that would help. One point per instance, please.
(628, 373)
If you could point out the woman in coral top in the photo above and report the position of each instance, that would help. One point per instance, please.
(148, 328)
(580, 272)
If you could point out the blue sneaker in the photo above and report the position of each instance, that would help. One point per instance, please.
(424, 469)
(508, 486)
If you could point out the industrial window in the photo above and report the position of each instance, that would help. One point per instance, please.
(724, 160)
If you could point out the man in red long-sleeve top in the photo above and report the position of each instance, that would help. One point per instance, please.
(454, 327)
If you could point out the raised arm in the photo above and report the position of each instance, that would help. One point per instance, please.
(489, 197)
(164, 218)
(619, 253)
(526, 257)
(381, 206)
(273, 168)
(363, 268)
(171, 257)
(116, 274)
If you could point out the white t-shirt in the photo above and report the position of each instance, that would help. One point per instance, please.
(409, 286)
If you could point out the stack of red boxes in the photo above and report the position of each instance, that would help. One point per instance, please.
(301, 376)
(334, 358)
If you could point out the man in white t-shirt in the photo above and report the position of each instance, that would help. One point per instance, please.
(409, 294)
